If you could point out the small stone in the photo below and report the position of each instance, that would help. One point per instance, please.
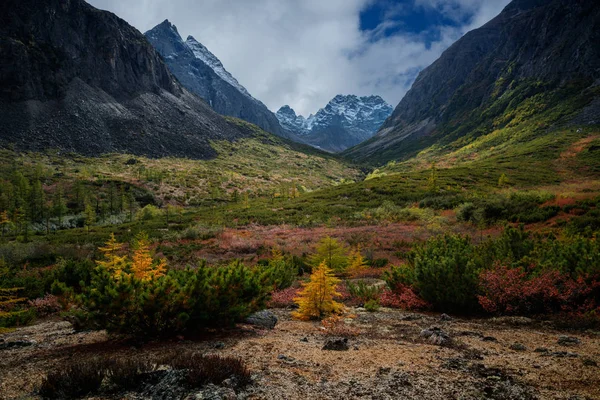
(219, 345)
(336, 344)
(489, 339)
(283, 357)
(518, 347)
(436, 336)
(445, 318)
(588, 362)
(564, 340)
(304, 339)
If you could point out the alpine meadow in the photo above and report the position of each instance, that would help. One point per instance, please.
(165, 234)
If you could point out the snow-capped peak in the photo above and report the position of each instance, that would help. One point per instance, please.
(202, 53)
(296, 123)
(359, 117)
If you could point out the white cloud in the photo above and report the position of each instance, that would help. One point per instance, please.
(304, 52)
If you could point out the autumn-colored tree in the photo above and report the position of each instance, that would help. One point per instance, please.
(503, 180)
(11, 310)
(331, 252)
(143, 265)
(356, 262)
(432, 181)
(316, 299)
(276, 254)
(113, 262)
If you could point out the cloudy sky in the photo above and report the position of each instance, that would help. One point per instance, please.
(304, 52)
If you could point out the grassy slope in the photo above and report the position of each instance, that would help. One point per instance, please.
(514, 113)
(261, 164)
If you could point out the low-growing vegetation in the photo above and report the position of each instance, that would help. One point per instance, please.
(103, 374)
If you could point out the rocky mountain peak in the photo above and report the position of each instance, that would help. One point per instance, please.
(201, 72)
(345, 121)
(287, 111)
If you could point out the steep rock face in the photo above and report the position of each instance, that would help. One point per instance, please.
(344, 122)
(79, 79)
(548, 44)
(202, 73)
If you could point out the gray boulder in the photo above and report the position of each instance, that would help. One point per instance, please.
(264, 319)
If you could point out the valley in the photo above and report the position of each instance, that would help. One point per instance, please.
(165, 235)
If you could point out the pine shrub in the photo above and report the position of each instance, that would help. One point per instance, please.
(181, 300)
(446, 273)
(332, 253)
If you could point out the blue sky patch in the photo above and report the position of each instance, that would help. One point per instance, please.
(392, 17)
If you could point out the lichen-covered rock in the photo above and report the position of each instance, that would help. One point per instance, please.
(264, 319)
(436, 336)
(564, 340)
(518, 347)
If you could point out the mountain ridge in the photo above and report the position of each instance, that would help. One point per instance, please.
(84, 80)
(346, 120)
(202, 73)
(533, 48)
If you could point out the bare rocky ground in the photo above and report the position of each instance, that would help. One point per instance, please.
(396, 355)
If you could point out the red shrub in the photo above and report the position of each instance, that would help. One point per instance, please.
(512, 291)
(346, 297)
(46, 305)
(403, 297)
(283, 298)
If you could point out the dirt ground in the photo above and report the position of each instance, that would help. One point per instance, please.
(503, 358)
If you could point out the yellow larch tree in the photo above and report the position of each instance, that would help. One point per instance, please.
(276, 254)
(356, 263)
(316, 299)
(143, 265)
(113, 262)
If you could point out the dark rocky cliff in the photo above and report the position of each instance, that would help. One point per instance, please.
(79, 79)
(550, 44)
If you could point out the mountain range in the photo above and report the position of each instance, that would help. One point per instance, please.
(79, 79)
(344, 122)
(538, 58)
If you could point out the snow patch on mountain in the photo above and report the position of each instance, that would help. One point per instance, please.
(202, 53)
